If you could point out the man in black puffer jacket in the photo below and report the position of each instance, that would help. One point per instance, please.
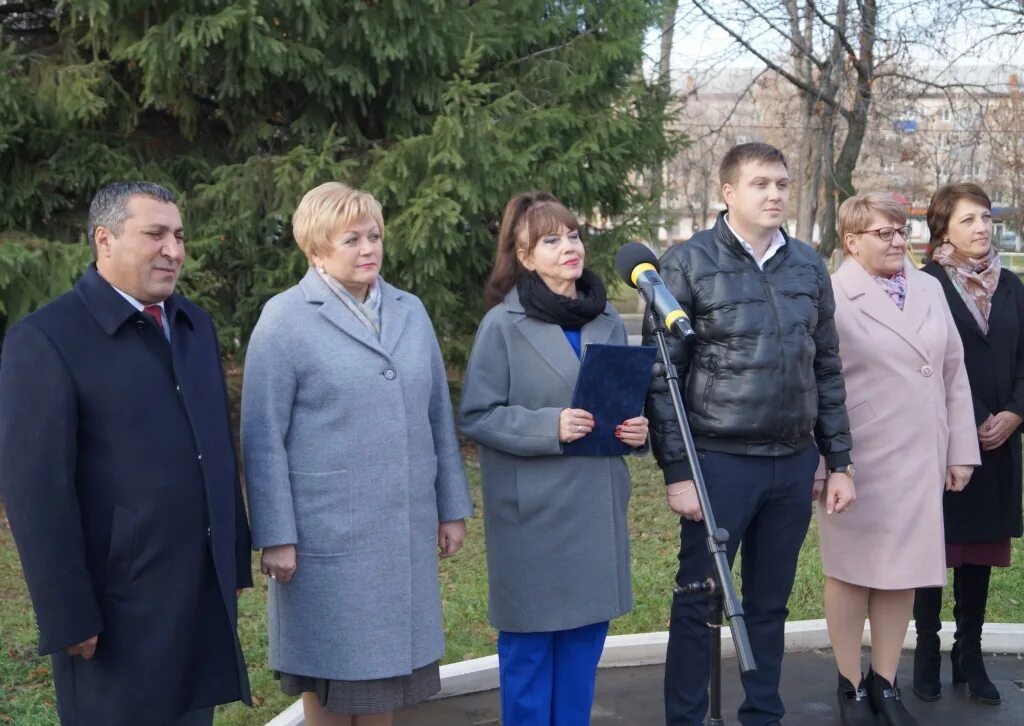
(763, 383)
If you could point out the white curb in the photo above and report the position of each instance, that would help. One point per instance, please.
(639, 649)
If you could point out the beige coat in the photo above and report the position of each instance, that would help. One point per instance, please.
(911, 416)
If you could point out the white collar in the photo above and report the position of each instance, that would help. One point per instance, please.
(777, 243)
(135, 303)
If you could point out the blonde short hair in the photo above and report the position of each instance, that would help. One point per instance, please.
(327, 209)
(856, 213)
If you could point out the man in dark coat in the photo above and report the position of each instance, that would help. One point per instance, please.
(118, 474)
(763, 385)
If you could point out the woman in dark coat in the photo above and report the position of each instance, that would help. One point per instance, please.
(987, 303)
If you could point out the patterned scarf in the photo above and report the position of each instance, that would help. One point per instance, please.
(975, 278)
(368, 312)
(895, 287)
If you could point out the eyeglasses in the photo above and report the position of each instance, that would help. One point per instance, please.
(887, 233)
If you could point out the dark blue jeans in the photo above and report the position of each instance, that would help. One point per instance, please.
(765, 503)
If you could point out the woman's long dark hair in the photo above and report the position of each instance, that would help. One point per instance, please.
(528, 216)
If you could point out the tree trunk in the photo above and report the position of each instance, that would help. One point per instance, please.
(802, 39)
(663, 91)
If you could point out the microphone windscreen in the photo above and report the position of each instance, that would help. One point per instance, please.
(629, 256)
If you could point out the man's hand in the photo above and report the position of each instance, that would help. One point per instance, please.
(817, 489)
(839, 492)
(682, 499)
(997, 429)
(450, 536)
(86, 649)
(957, 477)
(278, 562)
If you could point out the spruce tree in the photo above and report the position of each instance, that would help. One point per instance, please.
(441, 108)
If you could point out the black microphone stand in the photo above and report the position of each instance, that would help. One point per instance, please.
(719, 586)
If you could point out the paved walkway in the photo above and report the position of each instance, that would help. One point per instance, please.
(632, 697)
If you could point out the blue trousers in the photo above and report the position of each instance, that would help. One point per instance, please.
(765, 503)
(547, 679)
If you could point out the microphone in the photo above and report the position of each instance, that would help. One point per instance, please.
(638, 266)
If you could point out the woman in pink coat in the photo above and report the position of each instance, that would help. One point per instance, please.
(912, 422)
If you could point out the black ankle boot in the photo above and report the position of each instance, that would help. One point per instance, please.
(854, 705)
(886, 701)
(927, 658)
(971, 593)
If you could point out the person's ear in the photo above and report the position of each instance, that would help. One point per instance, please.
(524, 259)
(102, 237)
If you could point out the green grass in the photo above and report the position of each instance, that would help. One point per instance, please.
(26, 695)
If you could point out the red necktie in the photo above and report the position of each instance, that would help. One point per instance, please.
(154, 312)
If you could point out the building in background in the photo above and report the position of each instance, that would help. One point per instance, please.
(967, 126)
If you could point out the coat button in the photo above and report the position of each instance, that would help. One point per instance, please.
(199, 458)
(177, 387)
(390, 374)
(926, 371)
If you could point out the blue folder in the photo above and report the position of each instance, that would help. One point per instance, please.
(611, 385)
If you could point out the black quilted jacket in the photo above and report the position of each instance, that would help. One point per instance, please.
(764, 377)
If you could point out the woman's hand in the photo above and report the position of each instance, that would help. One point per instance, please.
(682, 499)
(574, 424)
(632, 432)
(839, 492)
(997, 429)
(817, 489)
(450, 536)
(278, 562)
(957, 477)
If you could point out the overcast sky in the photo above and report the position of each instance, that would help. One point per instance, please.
(699, 44)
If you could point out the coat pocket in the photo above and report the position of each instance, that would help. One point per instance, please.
(323, 511)
(121, 554)
(860, 414)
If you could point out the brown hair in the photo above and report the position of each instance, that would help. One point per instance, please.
(528, 216)
(737, 156)
(328, 209)
(856, 213)
(941, 207)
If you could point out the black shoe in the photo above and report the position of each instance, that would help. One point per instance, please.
(927, 658)
(886, 701)
(854, 704)
(969, 668)
(970, 588)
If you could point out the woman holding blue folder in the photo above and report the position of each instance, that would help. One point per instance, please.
(557, 538)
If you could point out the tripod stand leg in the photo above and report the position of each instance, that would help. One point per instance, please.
(715, 687)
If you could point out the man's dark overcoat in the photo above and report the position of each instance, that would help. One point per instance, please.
(119, 479)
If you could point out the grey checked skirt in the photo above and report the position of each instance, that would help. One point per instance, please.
(379, 695)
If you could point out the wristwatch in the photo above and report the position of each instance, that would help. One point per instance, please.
(844, 469)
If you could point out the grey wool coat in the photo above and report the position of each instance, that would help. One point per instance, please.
(557, 537)
(351, 455)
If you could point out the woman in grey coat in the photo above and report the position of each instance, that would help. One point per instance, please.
(557, 539)
(353, 471)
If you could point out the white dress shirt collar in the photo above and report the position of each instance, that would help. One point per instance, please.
(777, 243)
(140, 307)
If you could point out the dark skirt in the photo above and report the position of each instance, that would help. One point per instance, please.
(995, 553)
(380, 695)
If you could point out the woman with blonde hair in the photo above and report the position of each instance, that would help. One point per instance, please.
(354, 472)
(913, 433)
